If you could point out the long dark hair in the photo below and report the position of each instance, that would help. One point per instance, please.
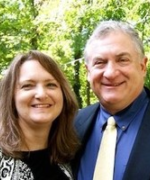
(63, 141)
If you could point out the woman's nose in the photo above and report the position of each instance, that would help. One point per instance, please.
(40, 92)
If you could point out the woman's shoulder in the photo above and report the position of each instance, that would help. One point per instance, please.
(12, 169)
(6, 166)
(66, 168)
(0, 155)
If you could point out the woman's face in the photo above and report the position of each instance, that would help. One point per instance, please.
(38, 96)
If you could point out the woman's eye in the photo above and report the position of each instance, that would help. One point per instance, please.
(51, 85)
(27, 86)
(123, 60)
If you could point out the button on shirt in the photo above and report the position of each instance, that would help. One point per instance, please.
(128, 123)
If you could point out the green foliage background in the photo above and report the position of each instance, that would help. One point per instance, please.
(60, 28)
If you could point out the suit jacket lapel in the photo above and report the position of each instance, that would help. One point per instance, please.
(138, 167)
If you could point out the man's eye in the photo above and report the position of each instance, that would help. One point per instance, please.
(124, 60)
(100, 62)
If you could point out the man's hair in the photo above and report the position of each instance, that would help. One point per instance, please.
(106, 27)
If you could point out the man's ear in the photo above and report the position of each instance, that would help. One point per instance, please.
(88, 72)
(144, 65)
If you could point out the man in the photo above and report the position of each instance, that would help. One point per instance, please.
(116, 68)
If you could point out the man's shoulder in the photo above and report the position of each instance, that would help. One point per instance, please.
(89, 108)
(86, 115)
(85, 118)
(147, 91)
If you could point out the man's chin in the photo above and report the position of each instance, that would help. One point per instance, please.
(109, 100)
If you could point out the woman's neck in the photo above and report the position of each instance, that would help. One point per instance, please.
(35, 139)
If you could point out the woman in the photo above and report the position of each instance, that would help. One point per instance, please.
(37, 107)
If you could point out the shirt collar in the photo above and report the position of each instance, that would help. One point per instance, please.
(124, 117)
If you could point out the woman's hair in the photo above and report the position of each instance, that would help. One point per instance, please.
(63, 142)
(107, 27)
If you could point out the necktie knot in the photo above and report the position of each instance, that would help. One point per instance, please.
(111, 124)
(111, 121)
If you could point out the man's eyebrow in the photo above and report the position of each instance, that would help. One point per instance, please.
(98, 58)
(123, 54)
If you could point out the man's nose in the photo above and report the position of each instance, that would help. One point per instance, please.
(111, 70)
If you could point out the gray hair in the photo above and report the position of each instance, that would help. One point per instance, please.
(107, 27)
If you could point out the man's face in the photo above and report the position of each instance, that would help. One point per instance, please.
(115, 71)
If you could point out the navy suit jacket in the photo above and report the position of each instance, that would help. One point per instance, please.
(138, 167)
